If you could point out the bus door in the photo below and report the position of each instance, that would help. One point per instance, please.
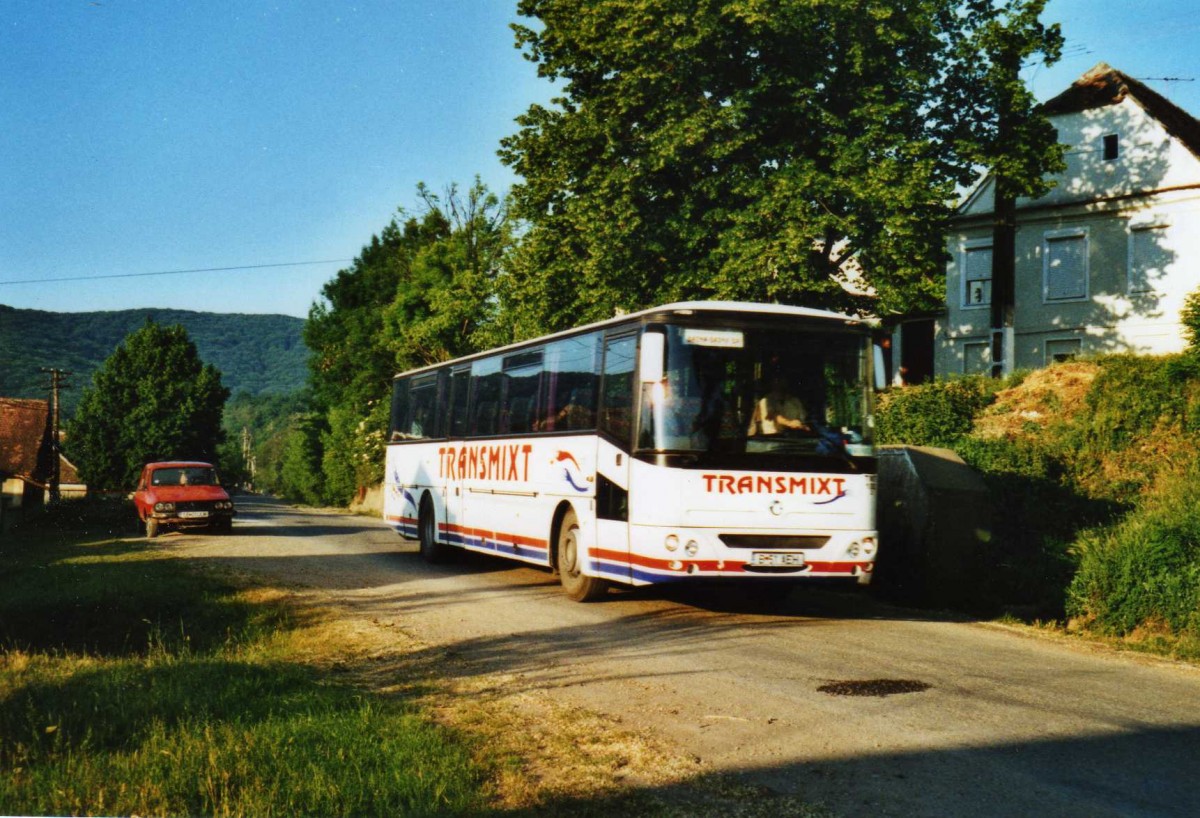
(612, 455)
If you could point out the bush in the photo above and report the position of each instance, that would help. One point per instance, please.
(1145, 571)
(933, 414)
(1132, 396)
(1189, 316)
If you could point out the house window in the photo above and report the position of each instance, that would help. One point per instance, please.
(1062, 349)
(1065, 260)
(1148, 257)
(977, 357)
(977, 275)
(1112, 147)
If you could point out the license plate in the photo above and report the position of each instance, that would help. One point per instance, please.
(777, 560)
(192, 515)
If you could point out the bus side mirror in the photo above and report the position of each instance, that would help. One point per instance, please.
(652, 356)
(880, 369)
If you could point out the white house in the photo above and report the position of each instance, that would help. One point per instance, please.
(1105, 259)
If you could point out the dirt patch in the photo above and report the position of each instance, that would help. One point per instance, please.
(1045, 396)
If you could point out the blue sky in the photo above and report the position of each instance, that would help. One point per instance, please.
(139, 137)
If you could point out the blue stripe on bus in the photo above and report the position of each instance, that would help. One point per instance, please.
(497, 546)
(409, 531)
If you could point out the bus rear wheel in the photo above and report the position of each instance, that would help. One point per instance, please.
(578, 586)
(432, 551)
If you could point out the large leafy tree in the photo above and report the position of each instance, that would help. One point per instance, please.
(446, 306)
(152, 399)
(421, 291)
(755, 149)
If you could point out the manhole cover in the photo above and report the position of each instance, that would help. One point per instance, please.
(873, 687)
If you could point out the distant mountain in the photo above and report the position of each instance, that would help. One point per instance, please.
(258, 354)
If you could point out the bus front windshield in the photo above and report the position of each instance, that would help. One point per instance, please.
(766, 390)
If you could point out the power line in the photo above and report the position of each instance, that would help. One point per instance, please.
(179, 272)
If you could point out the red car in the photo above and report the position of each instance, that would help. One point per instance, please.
(182, 494)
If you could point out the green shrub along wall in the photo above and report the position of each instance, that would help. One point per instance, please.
(935, 414)
(1098, 511)
(1145, 570)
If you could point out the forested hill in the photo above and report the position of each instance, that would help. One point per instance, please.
(258, 354)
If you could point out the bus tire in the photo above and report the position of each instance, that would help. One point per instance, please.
(578, 586)
(432, 551)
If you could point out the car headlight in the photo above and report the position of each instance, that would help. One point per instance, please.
(164, 507)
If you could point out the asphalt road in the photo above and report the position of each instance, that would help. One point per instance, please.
(979, 720)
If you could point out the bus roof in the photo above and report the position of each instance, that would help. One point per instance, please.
(677, 308)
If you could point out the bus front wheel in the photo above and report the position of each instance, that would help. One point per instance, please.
(578, 586)
(432, 551)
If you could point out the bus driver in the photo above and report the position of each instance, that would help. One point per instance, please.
(778, 410)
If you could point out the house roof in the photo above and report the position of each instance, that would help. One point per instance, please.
(24, 448)
(1101, 86)
(1104, 85)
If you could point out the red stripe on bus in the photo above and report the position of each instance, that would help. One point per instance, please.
(498, 536)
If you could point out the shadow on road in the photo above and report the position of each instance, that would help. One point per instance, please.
(1145, 773)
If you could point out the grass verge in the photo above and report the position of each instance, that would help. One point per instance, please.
(130, 685)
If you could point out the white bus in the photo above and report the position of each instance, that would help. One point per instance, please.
(699, 440)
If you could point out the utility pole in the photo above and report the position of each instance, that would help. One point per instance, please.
(57, 382)
(1004, 231)
(248, 454)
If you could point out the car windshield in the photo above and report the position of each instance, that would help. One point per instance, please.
(767, 390)
(184, 476)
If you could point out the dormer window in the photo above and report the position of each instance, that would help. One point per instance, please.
(1112, 147)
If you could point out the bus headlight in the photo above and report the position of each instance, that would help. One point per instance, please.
(672, 542)
(868, 546)
(692, 548)
(852, 549)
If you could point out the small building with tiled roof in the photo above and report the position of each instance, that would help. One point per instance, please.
(1105, 259)
(26, 457)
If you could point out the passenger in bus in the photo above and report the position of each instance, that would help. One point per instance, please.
(575, 415)
(778, 411)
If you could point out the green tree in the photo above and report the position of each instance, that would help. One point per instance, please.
(752, 149)
(1189, 317)
(300, 476)
(445, 306)
(152, 399)
(420, 292)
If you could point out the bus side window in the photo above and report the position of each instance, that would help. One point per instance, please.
(486, 385)
(617, 405)
(523, 376)
(571, 385)
(423, 414)
(399, 411)
(459, 391)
